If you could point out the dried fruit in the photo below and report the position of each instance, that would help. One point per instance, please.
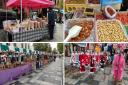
(110, 11)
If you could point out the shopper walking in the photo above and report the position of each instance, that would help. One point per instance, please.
(118, 67)
(51, 22)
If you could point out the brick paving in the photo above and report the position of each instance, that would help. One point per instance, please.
(99, 78)
(58, 34)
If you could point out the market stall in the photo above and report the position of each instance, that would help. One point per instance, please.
(107, 23)
(17, 62)
(90, 58)
(31, 28)
(14, 62)
(13, 73)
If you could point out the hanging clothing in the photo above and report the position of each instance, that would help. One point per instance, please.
(72, 59)
(85, 59)
(82, 65)
(118, 66)
(92, 64)
(102, 62)
(98, 58)
(77, 58)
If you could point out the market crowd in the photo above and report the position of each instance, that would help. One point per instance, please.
(95, 57)
(10, 60)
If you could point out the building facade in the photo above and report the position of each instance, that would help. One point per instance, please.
(20, 45)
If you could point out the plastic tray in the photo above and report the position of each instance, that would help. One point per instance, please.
(91, 38)
(123, 28)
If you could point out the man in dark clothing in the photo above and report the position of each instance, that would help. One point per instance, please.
(51, 22)
(124, 5)
(126, 55)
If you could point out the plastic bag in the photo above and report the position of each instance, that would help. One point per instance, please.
(108, 14)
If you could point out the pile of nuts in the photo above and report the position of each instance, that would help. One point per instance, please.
(110, 31)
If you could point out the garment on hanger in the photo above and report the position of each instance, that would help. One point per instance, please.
(82, 65)
(92, 64)
(98, 58)
(73, 58)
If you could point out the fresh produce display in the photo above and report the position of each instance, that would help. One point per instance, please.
(94, 1)
(110, 31)
(87, 26)
(75, 1)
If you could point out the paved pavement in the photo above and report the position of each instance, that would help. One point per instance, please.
(99, 78)
(58, 34)
(3, 36)
(50, 75)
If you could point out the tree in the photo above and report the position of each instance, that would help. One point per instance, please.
(42, 47)
(49, 49)
(60, 47)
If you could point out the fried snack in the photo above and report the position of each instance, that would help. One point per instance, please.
(87, 26)
(110, 31)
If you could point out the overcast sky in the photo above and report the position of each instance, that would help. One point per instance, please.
(53, 45)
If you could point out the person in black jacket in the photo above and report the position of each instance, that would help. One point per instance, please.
(51, 22)
(124, 5)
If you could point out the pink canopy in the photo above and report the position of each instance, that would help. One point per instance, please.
(35, 4)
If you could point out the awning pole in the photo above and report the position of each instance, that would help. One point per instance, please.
(21, 10)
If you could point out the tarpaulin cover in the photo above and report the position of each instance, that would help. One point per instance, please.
(35, 4)
(110, 2)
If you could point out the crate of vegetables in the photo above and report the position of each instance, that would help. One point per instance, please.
(110, 31)
(73, 5)
(87, 33)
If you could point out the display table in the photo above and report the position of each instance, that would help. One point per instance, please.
(28, 36)
(10, 74)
